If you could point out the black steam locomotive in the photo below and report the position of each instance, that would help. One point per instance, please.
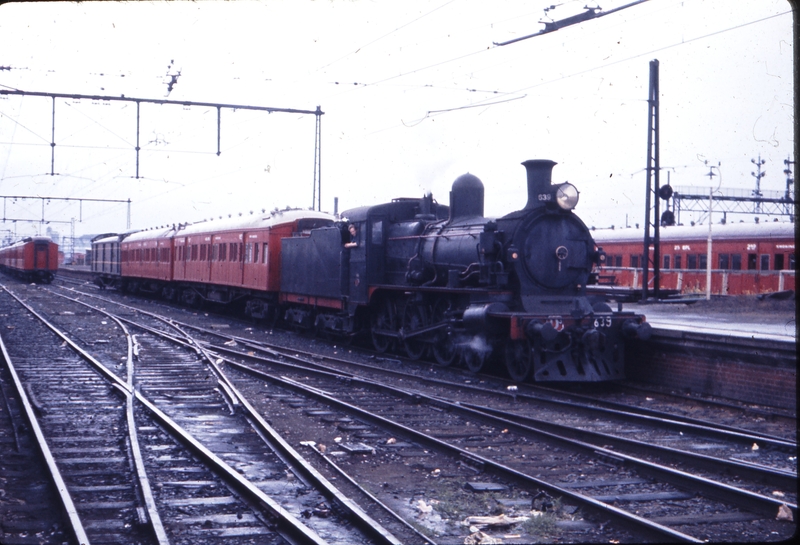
(447, 282)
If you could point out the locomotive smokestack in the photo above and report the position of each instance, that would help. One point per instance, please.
(539, 181)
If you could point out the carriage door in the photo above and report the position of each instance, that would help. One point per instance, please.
(40, 256)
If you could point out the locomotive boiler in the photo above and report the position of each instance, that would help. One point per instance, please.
(447, 282)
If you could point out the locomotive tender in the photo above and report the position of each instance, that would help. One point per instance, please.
(419, 277)
(32, 258)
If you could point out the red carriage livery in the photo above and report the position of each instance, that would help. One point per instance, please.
(746, 258)
(33, 258)
(223, 261)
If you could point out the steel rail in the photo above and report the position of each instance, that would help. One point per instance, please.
(290, 526)
(769, 475)
(679, 423)
(712, 488)
(141, 471)
(339, 471)
(261, 425)
(624, 411)
(76, 525)
(613, 405)
(656, 530)
(276, 440)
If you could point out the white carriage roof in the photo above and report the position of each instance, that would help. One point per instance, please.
(761, 231)
(238, 223)
(29, 239)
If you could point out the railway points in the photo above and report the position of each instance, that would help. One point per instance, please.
(412, 476)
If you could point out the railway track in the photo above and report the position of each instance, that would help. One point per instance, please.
(486, 434)
(109, 429)
(448, 424)
(513, 414)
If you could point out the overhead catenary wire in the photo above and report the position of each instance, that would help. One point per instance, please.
(606, 65)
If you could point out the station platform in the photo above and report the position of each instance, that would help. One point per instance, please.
(740, 316)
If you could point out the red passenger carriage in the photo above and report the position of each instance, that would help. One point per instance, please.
(221, 261)
(33, 258)
(752, 258)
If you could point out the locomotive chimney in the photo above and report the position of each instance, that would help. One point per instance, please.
(466, 197)
(539, 181)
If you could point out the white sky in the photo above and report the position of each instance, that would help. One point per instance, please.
(414, 95)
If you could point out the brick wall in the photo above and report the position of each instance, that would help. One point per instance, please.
(764, 377)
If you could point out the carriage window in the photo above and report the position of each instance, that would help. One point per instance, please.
(666, 262)
(724, 261)
(736, 262)
(203, 252)
(233, 251)
(778, 262)
(634, 261)
(255, 252)
(691, 261)
(751, 262)
(241, 251)
(265, 255)
(223, 252)
(377, 232)
(703, 258)
(678, 262)
(215, 252)
(764, 262)
(248, 252)
(792, 264)
(618, 261)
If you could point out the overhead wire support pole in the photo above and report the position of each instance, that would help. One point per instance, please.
(653, 168)
(53, 140)
(138, 148)
(591, 13)
(317, 191)
(219, 128)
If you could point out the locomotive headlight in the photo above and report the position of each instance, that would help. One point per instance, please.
(567, 196)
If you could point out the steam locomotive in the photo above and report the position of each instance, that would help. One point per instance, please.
(418, 277)
(449, 282)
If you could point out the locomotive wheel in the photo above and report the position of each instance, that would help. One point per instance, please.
(475, 357)
(413, 319)
(519, 360)
(445, 349)
(383, 319)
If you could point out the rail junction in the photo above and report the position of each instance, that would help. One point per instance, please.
(158, 424)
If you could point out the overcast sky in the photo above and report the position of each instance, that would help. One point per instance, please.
(414, 94)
